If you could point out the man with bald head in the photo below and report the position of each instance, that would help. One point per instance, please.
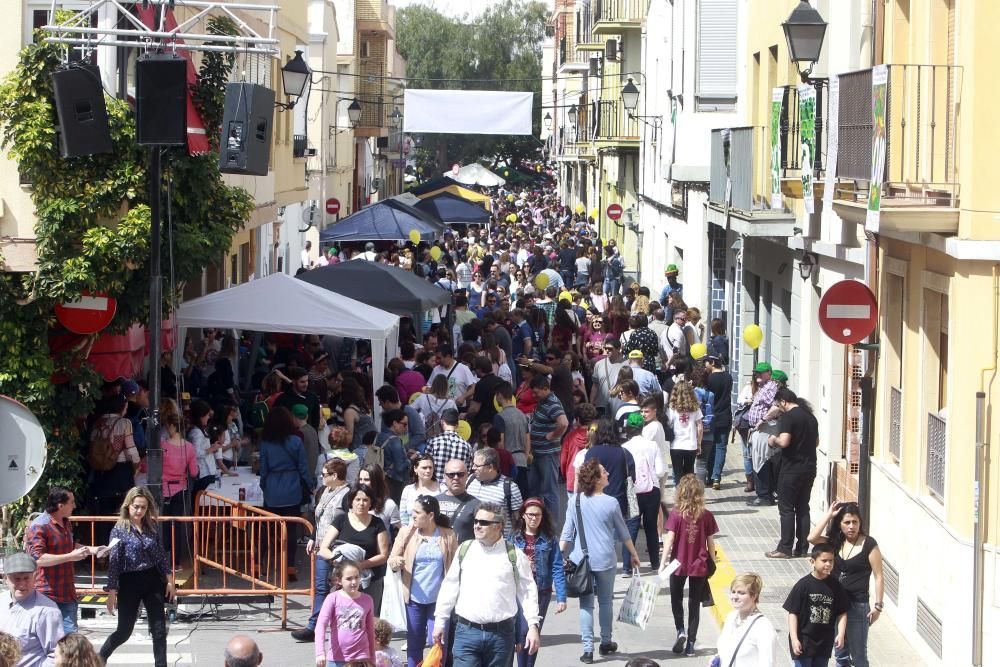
(241, 651)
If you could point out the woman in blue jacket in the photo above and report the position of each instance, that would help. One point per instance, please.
(284, 477)
(535, 536)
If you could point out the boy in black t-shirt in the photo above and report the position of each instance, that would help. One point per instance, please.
(817, 612)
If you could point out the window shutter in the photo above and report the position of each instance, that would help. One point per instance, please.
(716, 67)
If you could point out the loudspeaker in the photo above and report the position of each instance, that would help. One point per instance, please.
(381, 142)
(83, 116)
(245, 146)
(161, 100)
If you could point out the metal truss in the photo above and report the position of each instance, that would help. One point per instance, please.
(77, 30)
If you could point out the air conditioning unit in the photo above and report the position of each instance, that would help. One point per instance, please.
(611, 50)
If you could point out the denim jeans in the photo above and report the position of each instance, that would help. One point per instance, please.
(747, 459)
(321, 588)
(135, 588)
(68, 610)
(567, 277)
(419, 630)
(809, 661)
(721, 438)
(682, 462)
(543, 481)
(604, 583)
(483, 648)
(855, 649)
(523, 659)
(649, 508)
(611, 286)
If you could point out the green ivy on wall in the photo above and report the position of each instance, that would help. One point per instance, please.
(92, 233)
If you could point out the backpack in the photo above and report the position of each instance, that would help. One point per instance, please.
(707, 398)
(258, 414)
(375, 453)
(616, 266)
(102, 455)
(511, 556)
(432, 422)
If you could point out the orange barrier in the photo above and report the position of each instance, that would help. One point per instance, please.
(236, 540)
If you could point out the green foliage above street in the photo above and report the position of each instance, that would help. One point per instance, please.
(504, 42)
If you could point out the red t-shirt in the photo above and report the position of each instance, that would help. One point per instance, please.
(506, 461)
(691, 542)
(574, 441)
(526, 401)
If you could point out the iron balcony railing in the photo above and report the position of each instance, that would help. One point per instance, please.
(584, 24)
(613, 122)
(791, 149)
(895, 423)
(937, 452)
(619, 11)
(562, 50)
(922, 122)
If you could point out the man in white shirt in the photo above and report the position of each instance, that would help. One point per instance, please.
(497, 577)
(461, 381)
(369, 253)
(674, 339)
(304, 256)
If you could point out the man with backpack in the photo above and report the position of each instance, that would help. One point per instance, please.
(389, 399)
(614, 271)
(388, 446)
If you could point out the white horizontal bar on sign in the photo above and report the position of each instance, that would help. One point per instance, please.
(88, 303)
(848, 312)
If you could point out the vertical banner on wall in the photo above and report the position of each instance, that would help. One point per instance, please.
(777, 98)
(880, 90)
(832, 139)
(807, 143)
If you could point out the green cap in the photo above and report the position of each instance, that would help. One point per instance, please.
(762, 367)
(780, 376)
(300, 411)
(634, 420)
(671, 270)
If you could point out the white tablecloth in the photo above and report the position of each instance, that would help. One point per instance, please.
(229, 487)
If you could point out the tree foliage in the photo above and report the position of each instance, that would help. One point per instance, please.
(501, 50)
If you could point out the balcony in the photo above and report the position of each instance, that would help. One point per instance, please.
(572, 59)
(737, 154)
(612, 17)
(585, 38)
(374, 17)
(613, 126)
(791, 141)
(920, 185)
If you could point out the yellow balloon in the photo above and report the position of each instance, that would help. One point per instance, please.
(464, 429)
(499, 408)
(415, 236)
(435, 253)
(565, 295)
(698, 350)
(420, 170)
(753, 336)
(510, 197)
(512, 217)
(415, 395)
(541, 281)
(594, 213)
(506, 173)
(538, 168)
(580, 208)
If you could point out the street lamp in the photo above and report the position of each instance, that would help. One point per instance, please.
(295, 78)
(354, 112)
(630, 97)
(548, 121)
(808, 262)
(572, 116)
(804, 32)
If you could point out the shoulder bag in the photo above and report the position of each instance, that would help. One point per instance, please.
(579, 578)
(732, 661)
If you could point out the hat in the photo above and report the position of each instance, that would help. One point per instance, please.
(130, 387)
(565, 295)
(671, 270)
(634, 420)
(712, 358)
(780, 376)
(450, 417)
(762, 367)
(18, 563)
(300, 411)
(635, 354)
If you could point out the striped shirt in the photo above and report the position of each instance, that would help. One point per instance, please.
(496, 491)
(543, 422)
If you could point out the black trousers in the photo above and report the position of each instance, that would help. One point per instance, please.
(696, 593)
(794, 490)
(177, 536)
(147, 587)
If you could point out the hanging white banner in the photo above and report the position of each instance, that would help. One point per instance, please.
(832, 142)
(467, 112)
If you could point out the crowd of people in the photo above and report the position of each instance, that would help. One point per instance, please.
(549, 376)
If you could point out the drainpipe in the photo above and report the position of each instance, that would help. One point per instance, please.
(978, 492)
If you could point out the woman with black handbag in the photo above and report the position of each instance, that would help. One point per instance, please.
(592, 561)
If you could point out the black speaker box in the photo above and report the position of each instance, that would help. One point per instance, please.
(161, 100)
(83, 116)
(245, 145)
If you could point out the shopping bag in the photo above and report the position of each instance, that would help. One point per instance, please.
(433, 657)
(393, 607)
(637, 607)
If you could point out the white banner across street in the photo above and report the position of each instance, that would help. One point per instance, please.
(467, 112)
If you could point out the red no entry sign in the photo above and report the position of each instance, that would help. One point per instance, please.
(88, 314)
(848, 312)
(614, 211)
(333, 206)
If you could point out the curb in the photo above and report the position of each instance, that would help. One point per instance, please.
(719, 585)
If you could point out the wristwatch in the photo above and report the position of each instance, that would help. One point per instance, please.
(879, 606)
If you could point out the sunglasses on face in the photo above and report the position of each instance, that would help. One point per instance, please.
(455, 475)
(482, 523)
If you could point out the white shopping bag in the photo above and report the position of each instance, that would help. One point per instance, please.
(393, 607)
(640, 599)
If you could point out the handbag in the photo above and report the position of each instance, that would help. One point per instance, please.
(579, 578)
(639, 602)
(633, 500)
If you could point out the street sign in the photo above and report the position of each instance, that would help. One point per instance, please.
(88, 314)
(615, 211)
(333, 206)
(848, 312)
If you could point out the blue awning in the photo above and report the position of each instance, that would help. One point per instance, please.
(388, 220)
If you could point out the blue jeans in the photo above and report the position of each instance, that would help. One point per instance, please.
(721, 438)
(543, 481)
(747, 459)
(321, 586)
(604, 582)
(483, 648)
(523, 659)
(856, 644)
(419, 630)
(809, 661)
(68, 610)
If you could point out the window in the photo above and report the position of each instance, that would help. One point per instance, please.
(717, 56)
(36, 16)
(366, 49)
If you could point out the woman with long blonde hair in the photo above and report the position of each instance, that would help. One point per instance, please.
(75, 650)
(688, 539)
(684, 413)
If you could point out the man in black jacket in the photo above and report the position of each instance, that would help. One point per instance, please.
(298, 392)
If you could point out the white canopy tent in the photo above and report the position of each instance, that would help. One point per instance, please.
(282, 304)
(475, 174)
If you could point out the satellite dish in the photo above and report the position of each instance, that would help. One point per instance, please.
(22, 450)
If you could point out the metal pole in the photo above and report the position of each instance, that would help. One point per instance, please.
(977, 536)
(154, 453)
(865, 463)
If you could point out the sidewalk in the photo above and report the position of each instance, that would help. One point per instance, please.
(746, 534)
